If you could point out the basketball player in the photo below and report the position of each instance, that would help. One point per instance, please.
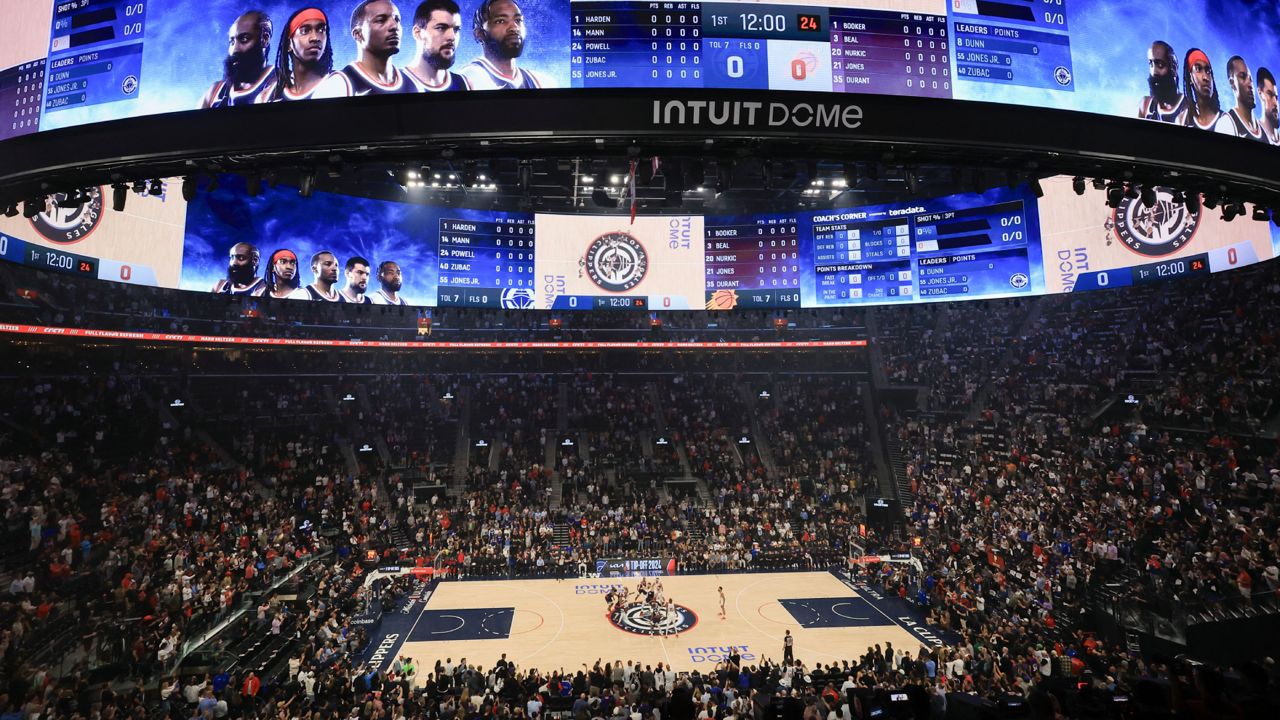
(242, 272)
(1241, 81)
(375, 25)
(282, 278)
(1270, 107)
(498, 26)
(357, 281)
(721, 591)
(244, 71)
(436, 26)
(390, 280)
(304, 58)
(1204, 111)
(324, 266)
(1165, 103)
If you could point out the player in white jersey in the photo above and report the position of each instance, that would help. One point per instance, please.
(390, 279)
(498, 25)
(1241, 81)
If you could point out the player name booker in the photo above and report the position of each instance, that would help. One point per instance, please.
(836, 116)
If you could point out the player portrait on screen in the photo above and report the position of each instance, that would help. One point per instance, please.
(304, 57)
(242, 271)
(376, 28)
(391, 281)
(1166, 103)
(436, 27)
(324, 267)
(1241, 82)
(1205, 111)
(282, 279)
(498, 25)
(245, 71)
(1270, 106)
(357, 281)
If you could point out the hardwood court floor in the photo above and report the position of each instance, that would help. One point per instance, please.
(549, 624)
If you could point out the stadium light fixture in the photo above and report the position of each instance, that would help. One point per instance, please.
(365, 448)
(32, 208)
(307, 183)
(1260, 213)
(1132, 191)
(764, 395)
(11, 210)
(1077, 184)
(1210, 200)
(73, 199)
(156, 188)
(348, 397)
(661, 441)
(213, 183)
(1229, 211)
(177, 403)
(1115, 193)
(189, 188)
(481, 444)
(1193, 202)
(1099, 184)
(119, 194)
(1037, 188)
(447, 395)
(1148, 195)
(601, 198)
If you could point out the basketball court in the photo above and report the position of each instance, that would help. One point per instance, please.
(550, 624)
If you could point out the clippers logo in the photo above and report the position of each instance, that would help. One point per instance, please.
(643, 619)
(616, 262)
(1160, 230)
(517, 298)
(69, 225)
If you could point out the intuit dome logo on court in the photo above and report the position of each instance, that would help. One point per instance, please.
(1155, 231)
(616, 262)
(645, 619)
(741, 113)
(70, 224)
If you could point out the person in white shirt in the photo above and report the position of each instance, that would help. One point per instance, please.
(498, 25)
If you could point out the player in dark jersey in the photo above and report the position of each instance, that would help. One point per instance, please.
(304, 57)
(242, 271)
(436, 26)
(244, 71)
(498, 26)
(282, 279)
(1270, 107)
(390, 279)
(1241, 82)
(375, 25)
(324, 266)
(357, 281)
(1165, 103)
(1205, 111)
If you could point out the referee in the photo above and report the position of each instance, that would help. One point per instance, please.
(788, 648)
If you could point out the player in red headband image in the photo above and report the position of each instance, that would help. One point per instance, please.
(377, 30)
(304, 57)
(282, 279)
(1206, 110)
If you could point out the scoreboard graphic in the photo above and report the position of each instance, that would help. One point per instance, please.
(605, 262)
(1004, 242)
(1089, 246)
(142, 245)
(99, 60)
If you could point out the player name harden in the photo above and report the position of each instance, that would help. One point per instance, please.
(749, 113)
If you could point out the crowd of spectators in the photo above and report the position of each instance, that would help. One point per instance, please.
(123, 516)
